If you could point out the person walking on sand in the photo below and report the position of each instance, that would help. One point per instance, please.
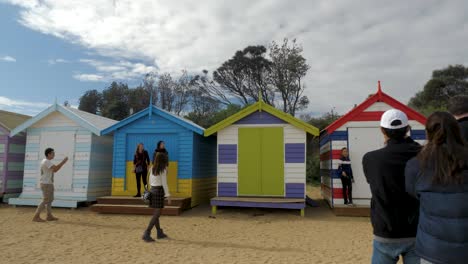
(47, 185)
(346, 176)
(159, 190)
(140, 163)
(438, 177)
(394, 213)
(458, 107)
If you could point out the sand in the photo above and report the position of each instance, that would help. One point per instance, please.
(236, 235)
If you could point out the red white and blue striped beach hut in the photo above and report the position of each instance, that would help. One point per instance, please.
(359, 131)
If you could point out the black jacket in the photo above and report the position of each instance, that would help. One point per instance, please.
(141, 159)
(394, 213)
(346, 168)
(160, 150)
(463, 122)
(443, 221)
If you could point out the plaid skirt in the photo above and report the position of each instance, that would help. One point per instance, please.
(157, 197)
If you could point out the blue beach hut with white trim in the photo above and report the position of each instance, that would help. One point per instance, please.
(192, 157)
(72, 133)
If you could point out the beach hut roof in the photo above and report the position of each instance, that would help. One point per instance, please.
(380, 96)
(158, 111)
(262, 106)
(93, 123)
(10, 120)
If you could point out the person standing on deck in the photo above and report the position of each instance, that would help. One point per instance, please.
(394, 213)
(346, 176)
(47, 185)
(140, 163)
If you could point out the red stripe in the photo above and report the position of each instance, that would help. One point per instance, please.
(336, 154)
(337, 192)
(368, 116)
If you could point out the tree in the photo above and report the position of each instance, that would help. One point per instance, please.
(182, 90)
(203, 108)
(240, 78)
(138, 99)
(288, 70)
(313, 153)
(91, 101)
(115, 103)
(444, 84)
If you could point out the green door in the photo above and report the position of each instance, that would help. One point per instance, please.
(261, 161)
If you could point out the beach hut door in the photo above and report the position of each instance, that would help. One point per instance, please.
(361, 141)
(64, 145)
(261, 161)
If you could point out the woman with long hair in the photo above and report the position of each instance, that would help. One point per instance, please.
(159, 190)
(438, 177)
(140, 166)
(160, 147)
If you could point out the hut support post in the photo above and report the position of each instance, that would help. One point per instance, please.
(302, 212)
(213, 209)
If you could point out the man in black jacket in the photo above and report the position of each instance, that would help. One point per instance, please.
(394, 213)
(458, 107)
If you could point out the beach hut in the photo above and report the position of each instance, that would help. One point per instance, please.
(359, 131)
(192, 157)
(75, 134)
(261, 159)
(11, 155)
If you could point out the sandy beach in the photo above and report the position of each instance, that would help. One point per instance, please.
(236, 235)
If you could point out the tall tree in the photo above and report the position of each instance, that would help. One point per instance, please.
(444, 84)
(166, 92)
(240, 78)
(182, 90)
(138, 99)
(115, 103)
(90, 101)
(203, 108)
(288, 70)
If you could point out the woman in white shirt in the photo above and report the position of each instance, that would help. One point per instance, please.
(159, 190)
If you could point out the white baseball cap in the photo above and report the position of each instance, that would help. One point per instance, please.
(391, 116)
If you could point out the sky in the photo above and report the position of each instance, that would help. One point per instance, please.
(55, 50)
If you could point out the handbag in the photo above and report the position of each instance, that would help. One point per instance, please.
(139, 169)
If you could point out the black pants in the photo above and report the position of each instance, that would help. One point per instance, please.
(347, 189)
(143, 175)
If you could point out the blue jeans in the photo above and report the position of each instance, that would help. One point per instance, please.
(389, 253)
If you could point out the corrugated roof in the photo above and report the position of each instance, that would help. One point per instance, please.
(11, 120)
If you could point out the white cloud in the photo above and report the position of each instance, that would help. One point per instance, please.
(57, 61)
(8, 59)
(24, 107)
(349, 46)
(120, 70)
(88, 77)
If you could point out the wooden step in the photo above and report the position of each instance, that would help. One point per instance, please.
(134, 209)
(351, 211)
(182, 202)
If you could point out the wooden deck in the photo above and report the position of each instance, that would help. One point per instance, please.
(343, 210)
(135, 205)
(260, 202)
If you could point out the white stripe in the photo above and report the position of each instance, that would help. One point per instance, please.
(413, 123)
(377, 107)
(294, 135)
(339, 144)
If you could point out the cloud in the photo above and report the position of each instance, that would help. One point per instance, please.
(119, 70)
(349, 46)
(24, 107)
(8, 59)
(89, 77)
(57, 61)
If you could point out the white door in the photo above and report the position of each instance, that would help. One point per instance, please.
(64, 145)
(361, 141)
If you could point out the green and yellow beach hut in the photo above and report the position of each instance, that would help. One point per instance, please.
(261, 159)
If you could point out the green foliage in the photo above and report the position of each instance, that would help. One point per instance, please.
(444, 84)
